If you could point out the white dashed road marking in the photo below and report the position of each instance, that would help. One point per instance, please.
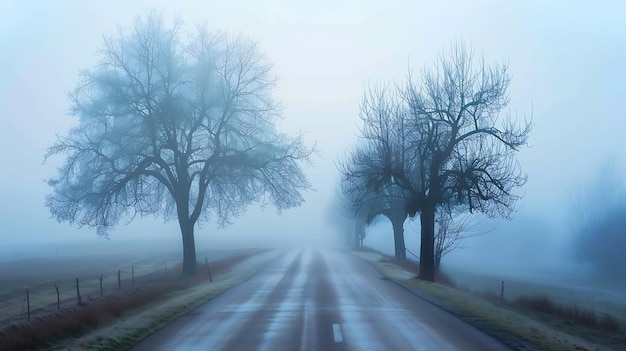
(337, 333)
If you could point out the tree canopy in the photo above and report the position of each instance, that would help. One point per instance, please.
(176, 123)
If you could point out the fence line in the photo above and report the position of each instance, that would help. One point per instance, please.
(39, 298)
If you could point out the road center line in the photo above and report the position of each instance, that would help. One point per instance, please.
(337, 333)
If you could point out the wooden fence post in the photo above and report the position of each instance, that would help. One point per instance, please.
(132, 275)
(119, 280)
(58, 298)
(27, 303)
(101, 285)
(502, 291)
(78, 298)
(206, 262)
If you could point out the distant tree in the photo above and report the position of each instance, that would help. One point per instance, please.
(464, 157)
(601, 242)
(599, 225)
(347, 219)
(367, 171)
(179, 124)
(394, 209)
(389, 203)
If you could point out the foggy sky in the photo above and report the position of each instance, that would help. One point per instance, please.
(567, 59)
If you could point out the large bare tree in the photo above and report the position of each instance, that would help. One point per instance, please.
(441, 140)
(174, 123)
(465, 149)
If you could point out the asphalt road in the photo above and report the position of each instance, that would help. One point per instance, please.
(317, 299)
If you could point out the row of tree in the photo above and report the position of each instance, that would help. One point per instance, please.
(435, 146)
(183, 124)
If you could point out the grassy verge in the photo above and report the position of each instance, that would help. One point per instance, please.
(572, 313)
(516, 326)
(117, 322)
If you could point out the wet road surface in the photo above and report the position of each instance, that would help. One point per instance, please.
(318, 299)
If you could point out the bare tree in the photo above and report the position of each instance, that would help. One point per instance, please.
(367, 173)
(348, 219)
(441, 141)
(464, 149)
(173, 124)
(599, 222)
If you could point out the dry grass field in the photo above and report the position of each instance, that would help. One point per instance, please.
(40, 275)
(585, 296)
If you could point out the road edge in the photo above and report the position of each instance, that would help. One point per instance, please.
(143, 322)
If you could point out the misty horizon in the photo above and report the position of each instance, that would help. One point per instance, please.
(567, 65)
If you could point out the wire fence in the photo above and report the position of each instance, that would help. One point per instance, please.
(30, 292)
(50, 296)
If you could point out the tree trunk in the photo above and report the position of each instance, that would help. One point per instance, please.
(189, 248)
(359, 234)
(397, 222)
(427, 247)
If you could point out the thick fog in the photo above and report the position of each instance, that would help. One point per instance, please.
(568, 65)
